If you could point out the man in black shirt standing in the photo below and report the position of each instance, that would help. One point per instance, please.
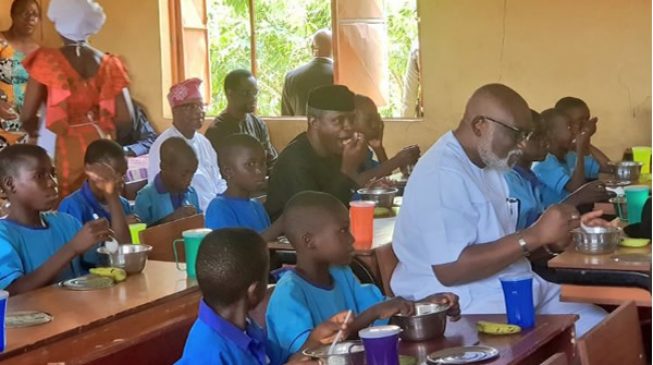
(326, 157)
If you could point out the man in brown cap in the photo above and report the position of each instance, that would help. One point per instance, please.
(326, 157)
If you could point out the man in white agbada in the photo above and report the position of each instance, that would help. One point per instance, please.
(456, 228)
(187, 117)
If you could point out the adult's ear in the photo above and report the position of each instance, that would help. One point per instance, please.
(477, 125)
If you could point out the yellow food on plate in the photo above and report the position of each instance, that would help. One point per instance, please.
(635, 242)
(494, 328)
(115, 273)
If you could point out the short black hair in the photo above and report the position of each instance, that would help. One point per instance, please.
(569, 102)
(229, 261)
(232, 80)
(304, 212)
(548, 115)
(104, 150)
(17, 4)
(14, 156)
(174, 149)
(232, 144)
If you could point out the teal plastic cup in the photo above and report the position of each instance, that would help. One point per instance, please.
(192, 239)
(636, 196)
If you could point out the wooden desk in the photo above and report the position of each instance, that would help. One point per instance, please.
(572, 259)
(144, 319)
(552, 334)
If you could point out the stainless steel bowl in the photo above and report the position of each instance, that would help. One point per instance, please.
(627, 170)
(344, 353)
(429, 321)
(601, 241)
(383, 197)
(620, 207)
(131, 258)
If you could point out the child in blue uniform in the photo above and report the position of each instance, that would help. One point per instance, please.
(169, 196)
(232, 271)
(243, 165)
(99, 196)
(38, 248)
(322, 284)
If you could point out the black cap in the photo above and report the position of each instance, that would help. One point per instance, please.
(332, 97)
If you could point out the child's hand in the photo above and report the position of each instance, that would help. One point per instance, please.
(449, 299)
(590, 126)
(105, 178)
(396, 305)
(133, 219)
(92, 232)
(326, 332)
(408, 156)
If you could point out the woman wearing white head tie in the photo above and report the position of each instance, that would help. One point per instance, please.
(84, 90)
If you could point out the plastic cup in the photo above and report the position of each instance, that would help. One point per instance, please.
(135, 230)
(192, 239)
(636, 196)
(643, 155)
(4, 297)
(381, 344)
(361, 217)
(518, 294)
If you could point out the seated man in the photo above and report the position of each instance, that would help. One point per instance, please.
(187, 117)
(327, 157)
(456, 228)
(241, 91)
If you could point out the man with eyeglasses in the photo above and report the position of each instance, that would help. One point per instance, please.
(188, 113)
(241, 90)
(456, 228)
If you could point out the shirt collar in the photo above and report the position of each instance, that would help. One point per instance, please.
(251, 340)
(90, 198)
(527, 174)
(158, 184)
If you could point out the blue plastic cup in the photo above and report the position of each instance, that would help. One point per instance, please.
(4, 297)
(381, 344)
(518, 293)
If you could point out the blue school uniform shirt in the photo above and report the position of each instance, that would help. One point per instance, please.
(524, 186)
(229, 212)
(297, 306)
(24, 249)
(216, 341)
(554, 174)
(592, 166)
(154, 202)
(82, 204)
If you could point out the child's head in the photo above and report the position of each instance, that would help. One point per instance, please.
(558, 129)
(27, 177)
(232, 265)
(243, 163)
(317, 225)
(105, 151)
(577, 111)
(178, 164)
(538, 146)
(367, 119)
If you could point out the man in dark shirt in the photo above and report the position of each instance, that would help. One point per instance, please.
(137, 140)
(241, 91)
(326, 157)
(300, 81)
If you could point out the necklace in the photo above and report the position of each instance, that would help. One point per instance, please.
(77, 46)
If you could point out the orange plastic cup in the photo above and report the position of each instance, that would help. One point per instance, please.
(361, 223)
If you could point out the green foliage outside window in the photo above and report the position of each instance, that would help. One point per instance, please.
(283, 31)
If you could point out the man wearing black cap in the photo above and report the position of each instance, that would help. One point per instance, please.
(326, 157)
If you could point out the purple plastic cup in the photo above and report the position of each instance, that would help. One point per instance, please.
(518, 293)
(381, 344)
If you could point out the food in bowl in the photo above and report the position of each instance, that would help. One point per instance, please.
(129, 257)
(344, 353)
(383, 197)
(428, 322)
(600, 240)
(627, 170)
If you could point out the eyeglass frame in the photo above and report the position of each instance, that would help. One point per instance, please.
(523, 135)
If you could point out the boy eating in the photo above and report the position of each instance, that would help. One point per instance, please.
(99, 196)
(169, 196)
(37, 246)
(232, 271)
(322, 284)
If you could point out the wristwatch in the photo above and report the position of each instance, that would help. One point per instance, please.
(522, 245)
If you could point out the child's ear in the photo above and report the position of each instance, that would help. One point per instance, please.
(308, 240)
(226, 171)
(255, 294)
(7, 185)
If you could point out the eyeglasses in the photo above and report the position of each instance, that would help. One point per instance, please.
(521, 134)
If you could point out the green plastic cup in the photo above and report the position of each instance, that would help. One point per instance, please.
(135, 230)
(192, 239)
(643, 155)
(636, 196)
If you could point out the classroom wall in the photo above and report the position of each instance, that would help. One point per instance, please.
(545, 49)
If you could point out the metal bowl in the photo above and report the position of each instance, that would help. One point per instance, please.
(131, 258)
(620, 207)
(344, 353)
(429, 321)
(599, 241)
(383, 197)
(627, 170)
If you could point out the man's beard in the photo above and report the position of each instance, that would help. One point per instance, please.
(492, 161)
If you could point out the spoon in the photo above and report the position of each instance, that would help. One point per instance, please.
(111, 246)
(338, 335)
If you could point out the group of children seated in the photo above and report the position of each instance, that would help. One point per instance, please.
(39, 246)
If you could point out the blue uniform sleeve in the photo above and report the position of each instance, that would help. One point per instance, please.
(194, 200)
(288, 319)
(144, 207)
(552, 174)
(11, 267)
(70, 206)
(365, 296)
(126, 207)
(592, 167)
(219, 215)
